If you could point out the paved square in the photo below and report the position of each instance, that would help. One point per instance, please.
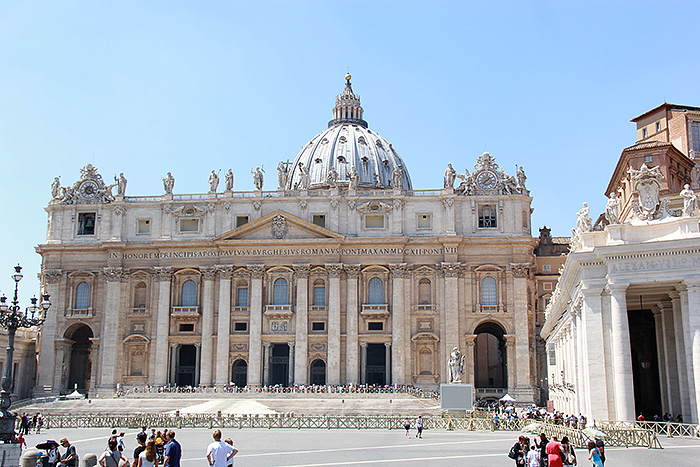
(292, 448)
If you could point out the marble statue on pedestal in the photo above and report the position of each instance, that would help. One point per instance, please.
(584, 222)
(55, 188)
(690, 201)
(612, 209)
(354, 178)
(304, 179)
(257, 178)
(169, 184)
(521, 179)
(213, 182)
(396, 177)
(229, 180)
(450, 175)
(121, 184)
(455, 366)
(332, 177)
(282, 174)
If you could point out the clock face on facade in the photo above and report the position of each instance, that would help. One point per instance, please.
(486, 180)
(88, 189)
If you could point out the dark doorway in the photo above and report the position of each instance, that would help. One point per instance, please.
(490, 368)
(645, 364)
(318, 372)
(239, 373)
(80, 368)
(186, 366)
(376, 364)
(279, 364)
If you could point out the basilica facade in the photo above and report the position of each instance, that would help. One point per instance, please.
(341, 274)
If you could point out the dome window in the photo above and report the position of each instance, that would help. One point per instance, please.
(361, 140)
(379, 144)
(341, 159)
(343, 140)
(318, 160)
(324, 141)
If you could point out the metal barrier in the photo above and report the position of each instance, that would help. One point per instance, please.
(668, 429)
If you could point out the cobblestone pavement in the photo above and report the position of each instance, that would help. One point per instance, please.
(292, 448)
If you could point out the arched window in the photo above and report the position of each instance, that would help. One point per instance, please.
(82, 296)
(189, 293)
(489, 295)
(376, 291)
(140, 295)
(424, 292)
(319, 293)
(280, 295)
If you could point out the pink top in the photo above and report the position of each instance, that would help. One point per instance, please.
(553, 448)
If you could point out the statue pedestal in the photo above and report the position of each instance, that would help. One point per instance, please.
(10, 454)
(456, 396)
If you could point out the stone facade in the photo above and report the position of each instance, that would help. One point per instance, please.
(331, 283)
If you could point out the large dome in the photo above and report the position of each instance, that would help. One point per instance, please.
(348, 144)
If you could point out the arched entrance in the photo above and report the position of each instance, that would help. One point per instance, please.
(376, 364)
(490, 367)
(318, 372)
(185, 368)
(279, 364)
(80, 361)
(239, 373)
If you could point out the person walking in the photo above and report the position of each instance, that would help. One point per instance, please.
(568, 450)
(70, 457)
(419, 427)
(407, 427)
(517, 452)
(601, 448)
(594, 454)
(533, 457)
(141, 438)
(554, 453)
(219, 452)
(112, 457)
(542, 446)
(173, 451)
(148, 457)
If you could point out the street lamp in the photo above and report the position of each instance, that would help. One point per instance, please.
(11, 318)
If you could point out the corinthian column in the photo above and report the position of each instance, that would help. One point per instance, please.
(47, 357)
(207, 357)
(450, 272)
(301, 349)
(352, 272)
(621, 352)
(257, 271)
(110, 329)
(469, 358)
(334, 271)
(224, 326)
(522, 341)
(163, 277)
(680, 353)
(398, 324)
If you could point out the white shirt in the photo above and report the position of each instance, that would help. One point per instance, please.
(533, 458)
(144, 461)
(219, 451)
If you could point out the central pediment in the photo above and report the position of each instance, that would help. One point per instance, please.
(278, 225)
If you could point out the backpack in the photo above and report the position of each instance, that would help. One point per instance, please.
(513, 454)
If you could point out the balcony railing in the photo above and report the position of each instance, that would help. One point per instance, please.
(79, 313)
(240, 309)
(318, 308)
(425, 307)
(141, 311)
(279, 311)
(185, 312)
(378, 309)
(491, 392)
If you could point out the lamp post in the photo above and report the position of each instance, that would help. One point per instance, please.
(11, 318)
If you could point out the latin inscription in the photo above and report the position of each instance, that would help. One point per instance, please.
(656, 264)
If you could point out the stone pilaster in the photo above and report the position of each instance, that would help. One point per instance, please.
(301, 349)
(352, 273)
(658, 311)
(94, 369)
(693, 333)
(510, 360)
(51, 279)
(668, 339)
(449, 221)
(110, 324)
(363, 362)
(398, 320)
(680, 353)
(290, 378)
(450, 273)
(469, 367)
(595, 390)
(267, 367)
(224, 326)
(163, 277)
(207, 359)
(622, 353)
(257, 271)
(388, 359)
(523, 386)
(333, 366)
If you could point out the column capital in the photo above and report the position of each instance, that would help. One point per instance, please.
(363, 345)
(291, 344)
(399, 270)
(113, 274)
(163, 274)
(510, 339)
(240, 273)
(302, 270)
(208, 272)
(267, 345)
(693, 283)
(334, 269)
(520, 270)
(352, 270)
(674, 294)
(387, 344)
(225, 272)
(470, 339)
(617, 288)
(51, 276)
(450, 269)
(257, 271)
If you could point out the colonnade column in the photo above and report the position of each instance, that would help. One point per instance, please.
(469, 368)
(576, 319)
(523, 384)
(594, 391)
(333, 365)
(680, 352)
(207, 346)
(94, 369)
(290, 378)
(363, 362)
(621, 353)
(198, 365)
(109, 353)
(163, 277)
(658, 311)
(693, 331)
(510, 360)
(301, 349)
(671, 362)
(266, 365)
(47, 357)
(450, 272)
(387, 363)
(352, 272)
(398, 324)
(223, 326)
(173, 363)
(257, 271)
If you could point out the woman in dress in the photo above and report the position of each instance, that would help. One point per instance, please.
(148, 457)
(594, 454)
(568, 450)
(554, 453)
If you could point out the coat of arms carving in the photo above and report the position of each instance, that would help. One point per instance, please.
(279, 227)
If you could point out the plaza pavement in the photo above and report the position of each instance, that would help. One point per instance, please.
(317, 448)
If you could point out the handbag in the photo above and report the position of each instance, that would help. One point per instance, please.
(513, 454)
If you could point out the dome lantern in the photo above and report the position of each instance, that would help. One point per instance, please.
(347, 107)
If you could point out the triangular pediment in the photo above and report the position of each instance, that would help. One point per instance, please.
(278, 225)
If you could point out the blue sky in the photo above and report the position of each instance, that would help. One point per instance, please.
(146, 87)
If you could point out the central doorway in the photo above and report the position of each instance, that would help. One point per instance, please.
(279, 364)
(80, 368)
(318, 372)
(186, 366)
(239, 373)
(376, 364)
(490, 370)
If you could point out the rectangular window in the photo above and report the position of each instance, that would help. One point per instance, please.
(86, 223)
(143, 226)
(546, 268)
(695, 135)
(647, 158)
(240, 326)
(658, 127)
(375, 326)
(242, 296)
(241, 220)
(552, 357)
(547, 286)
(487, 217)
(644, 132)
(319, 295)
(318, 326)
(189, 225)
(424, 221)
(374, 221)
(319, 220)
(186, 327)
